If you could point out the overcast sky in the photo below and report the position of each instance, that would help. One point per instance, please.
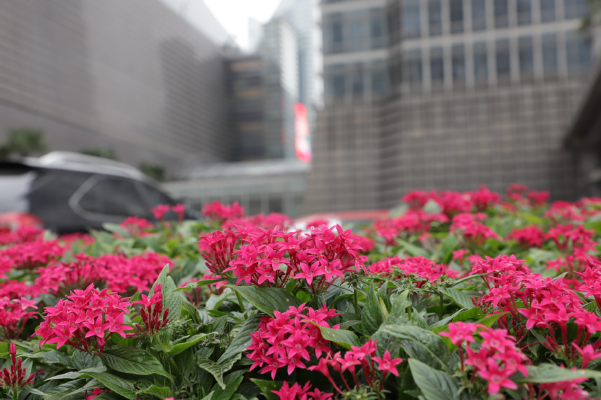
(234, 14)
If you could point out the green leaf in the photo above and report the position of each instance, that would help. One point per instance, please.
(593, 225)
(372, 316)
(489, 320)
(267, 387)
(434, 384)
(548, 373)
(422, 344)
(198, 284)
(400, 304)
(341, 337)
(531, 218)
(267, 300)
(75, 375)
(191, 341)
(458, 297)
(411, 249)
(131, 360)
(474, 313)
(216, 300)
(115, 383)
(116, 228)
(242, 339)
(217, 369)
(446, 320)
(171, 299)
(232, 381)
(468, 278)
(160, 392)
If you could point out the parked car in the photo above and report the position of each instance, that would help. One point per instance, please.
(70, 192)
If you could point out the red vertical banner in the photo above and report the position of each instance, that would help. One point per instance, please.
(302, 141)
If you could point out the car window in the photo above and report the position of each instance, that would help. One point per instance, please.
(154, 197)
(113, 196)
(14, 187)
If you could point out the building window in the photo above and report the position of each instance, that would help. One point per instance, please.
(575, 8)
(411, 21)
(358, 84)
(458, 63)
(549, 54)
(378, 82)
(503, 59)
(526, 56)
(480, 62)
(478, 15)
(434, 17)
(339, 86)
(578, 51)
(524, 12)
(547, 10)
(456, 11)
(412, 72)
(436, 65)
(501, 13)
(377, 33)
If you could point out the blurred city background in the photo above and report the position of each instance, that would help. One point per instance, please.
(305, 106)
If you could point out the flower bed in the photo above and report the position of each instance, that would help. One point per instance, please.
(455, 296)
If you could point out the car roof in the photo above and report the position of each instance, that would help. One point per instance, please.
(71, 161)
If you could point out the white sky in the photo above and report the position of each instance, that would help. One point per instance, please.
(234, 15)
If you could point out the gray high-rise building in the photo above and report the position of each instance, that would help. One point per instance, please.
(131, 75)
(445, 94)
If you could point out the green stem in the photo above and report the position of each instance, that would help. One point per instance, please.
(240, 302)
(441, 304)
(356, 301)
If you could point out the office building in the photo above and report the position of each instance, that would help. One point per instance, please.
(131, 75)
(445, 94)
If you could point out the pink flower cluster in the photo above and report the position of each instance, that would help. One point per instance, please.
(411, 222)
(565, 390)
(20, 235)
(359, 356)
(289, 338)
(295, 391)
(319, 258)
(527, 237)
(575, 243)
(30, 255)
(136, 226)
(85, 320)
(162, 209)
(14, 315)
(218, 213)
(426, 269)
(15, 377)
(253, 222)
(199, 294)
(153, 316)
(470, 230)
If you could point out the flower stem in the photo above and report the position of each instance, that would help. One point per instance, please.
(356, 302)
(240, 302)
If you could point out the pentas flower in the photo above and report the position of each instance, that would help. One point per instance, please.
(32, 255)
(180, 210)
(537, 199)
(127, 275)
(21, 235)
(468, 229)
(137, 226)
(297, 392)
(153, 316)
(567, 390)
(527, 237)
(59, 278)
(85, 319)
(96, 393)
(459, 255)
(588, 353)
(417, 199)
(420, 267)
(411, 222)
(497, 359)
(515, 191)
(217, 248)
(14, 315)
(253, 222)
(219, 213)
(15, 377)
(16, 290)
(483, 199)
(160, 211)
(289, 339)
(453, 203)
(316, 223)
(563, 212)
(85, 239)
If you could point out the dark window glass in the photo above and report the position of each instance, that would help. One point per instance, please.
(358, 84)
(458, 64)
(549, 54)
(275, 204)
(378, 82)
(575, 8)
(338, 85)
(411, 21)
(524, 11)
(154, 196)
(114, 196)
(436, 67)
(501, 13)
(456, 12)
(337, 32)
(578, 51)
(526, 56)
(478, 15)
(503, 59)
(434, 17)
(547, 10)
(480, 63)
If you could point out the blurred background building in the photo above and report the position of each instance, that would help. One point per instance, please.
(128, 75)
(446, 94)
